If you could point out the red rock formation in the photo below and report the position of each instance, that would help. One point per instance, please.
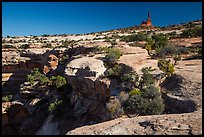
(147, 23)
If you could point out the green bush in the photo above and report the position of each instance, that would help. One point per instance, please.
(166, 67)
(54, 105)
(8, 46)
(131, 77)
(135, 91)
(47, 45)
(64, 59)
(58, 81)
(114, 72)
(136, 37)
(24, 46)
(36, 76)
(148, 102)
(7, 98)
(194, 32)
(113, 54)
(147, 79)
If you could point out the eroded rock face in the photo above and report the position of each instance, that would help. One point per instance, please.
(51, 64)
(13, 116)
(89, 91)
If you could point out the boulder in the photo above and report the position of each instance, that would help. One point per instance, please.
(89, 89)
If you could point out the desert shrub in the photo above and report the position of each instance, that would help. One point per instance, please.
(35, 75)
(7, 98)
(194, 32)
(135, 91)
(68, 43)
(148, 102)
(45, 35)
(136, 44)
(44, 80)
(113, 54)
(147, 78)
(114, 72)
(182, 50)
(8, 46)
(165, 51)
(151, 92)
(24, 46)
(160, 44)
(136, 37)
(64, 59)
(131, 77)
(58, 81)
(114, 107)
(166, 66)
(107, 39)
(47, 45)
(54, 105)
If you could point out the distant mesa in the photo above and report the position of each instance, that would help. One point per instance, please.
(147, 23)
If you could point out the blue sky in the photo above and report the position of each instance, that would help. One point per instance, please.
(37, 18)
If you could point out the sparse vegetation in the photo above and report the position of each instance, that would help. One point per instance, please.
(24, 46)
(166, 66)
(147, 78)
(136, 37)
(194, 32)
(54, 105)
(131, 77)
(114, 107)
(8, 46)
(114, 72)
(7, 98)
(57, 81)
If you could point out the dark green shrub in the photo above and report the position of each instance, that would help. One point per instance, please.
(8, 46)
(148, 102)
(54, 105)
(131, 77)
(47, 45)
(58, 81)
(64, 59)
(114, 72)
(147, 79)
(166, 67)
(7, 98)
(136, 37)
(36, 76)
(24, 46)
(113, 54)
(194, 32)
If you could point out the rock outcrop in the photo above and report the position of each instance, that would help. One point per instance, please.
(89, 90)
(172, 124)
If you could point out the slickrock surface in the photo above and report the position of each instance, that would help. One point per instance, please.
(172, 124)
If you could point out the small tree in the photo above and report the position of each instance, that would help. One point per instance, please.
(166, 66)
